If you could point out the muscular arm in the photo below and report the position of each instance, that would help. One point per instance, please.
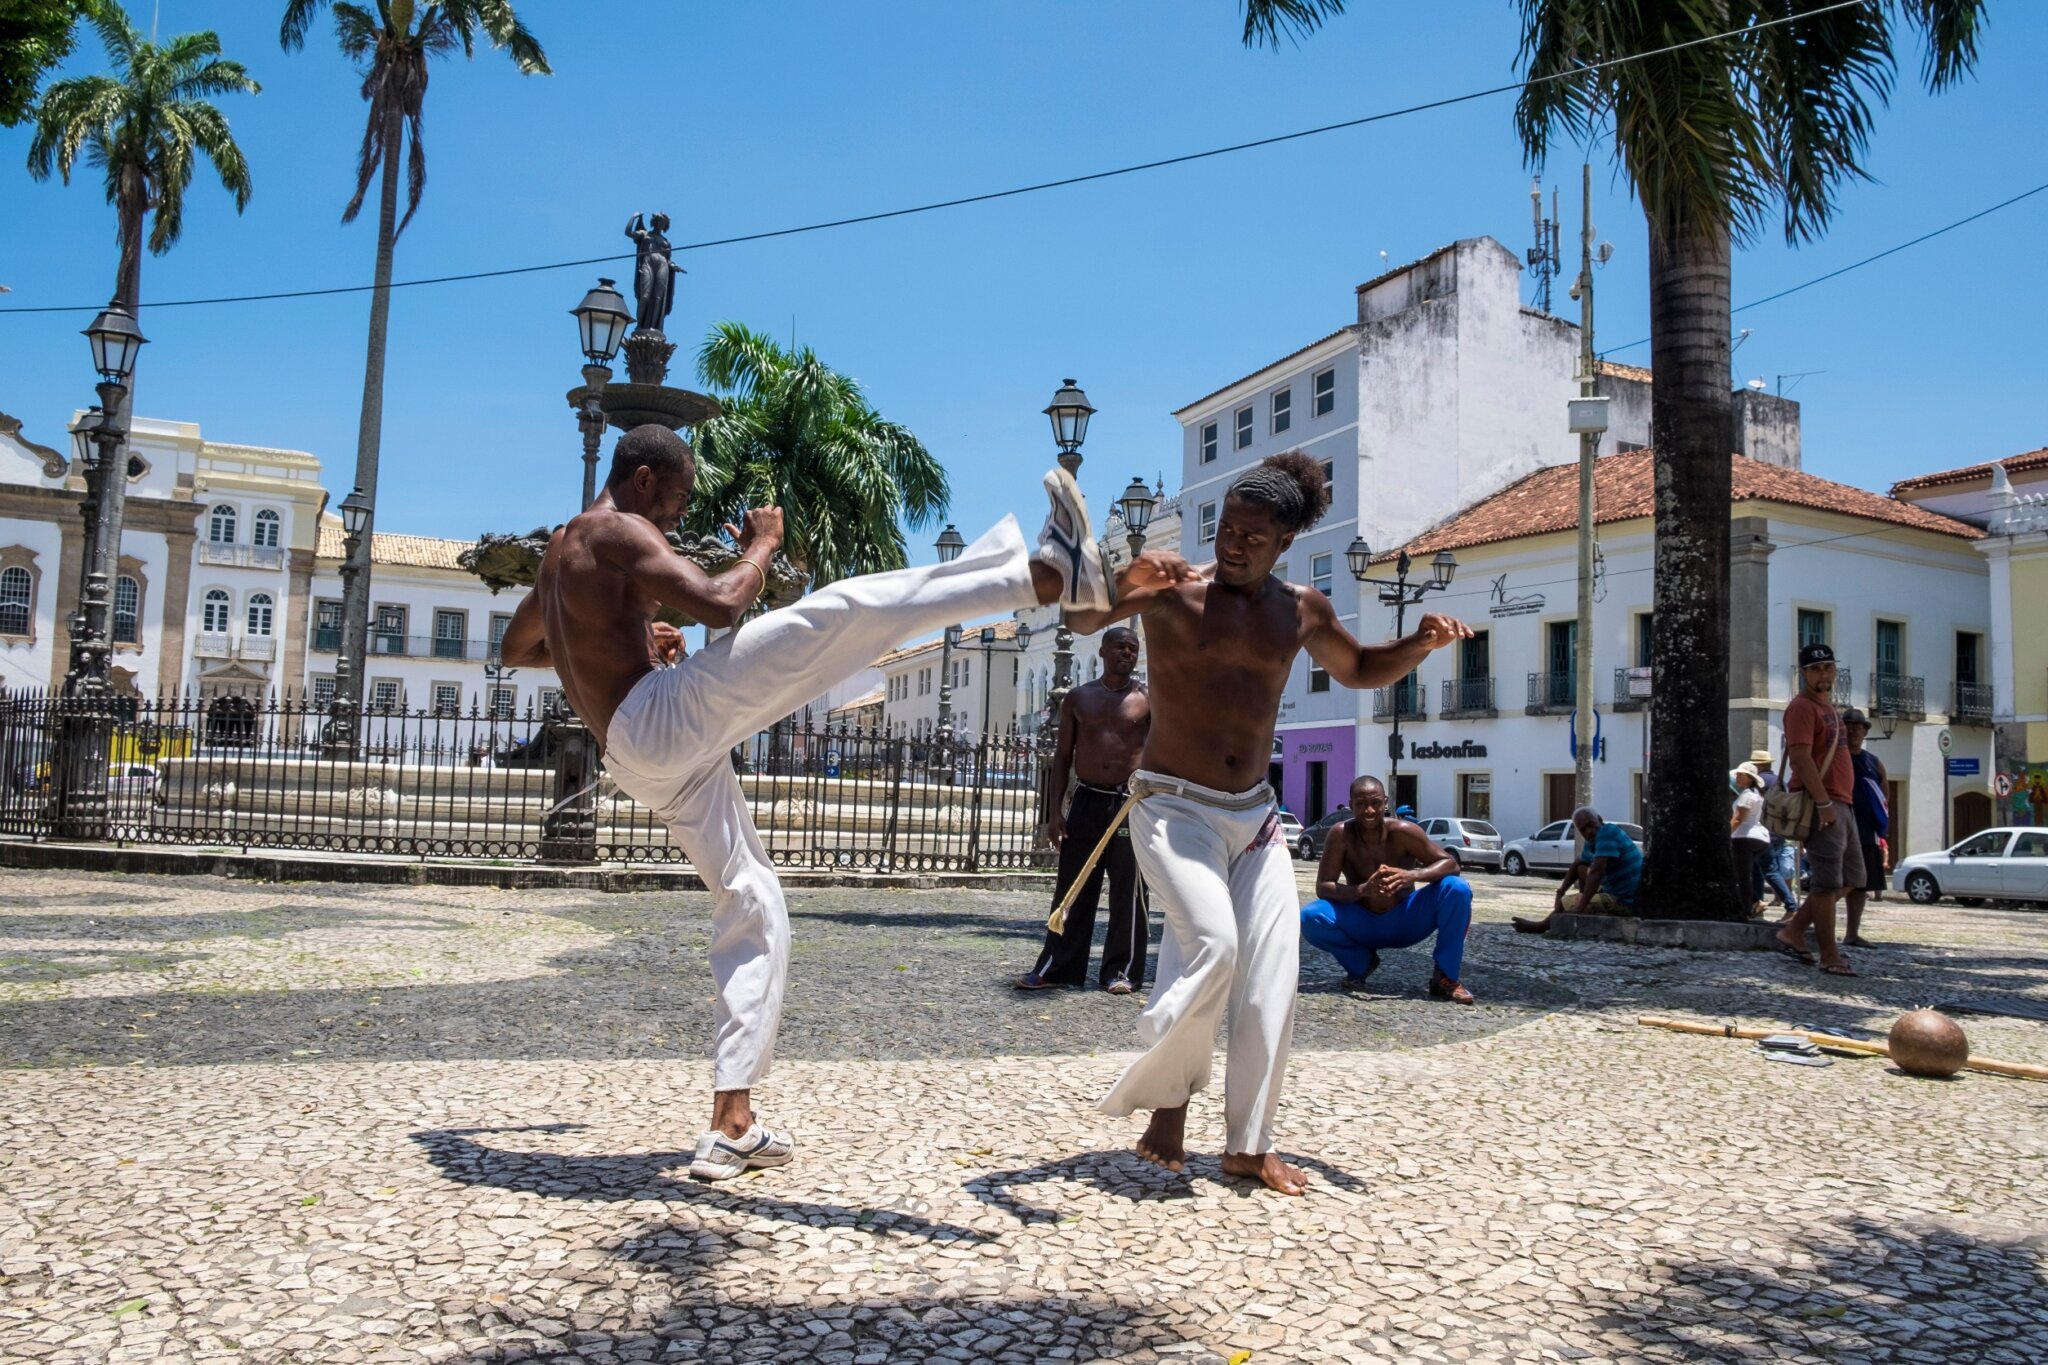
(525, 644)
(1142, 584)
(651, 564)
(1059, 774)
(1330, 883)
(1356, 665)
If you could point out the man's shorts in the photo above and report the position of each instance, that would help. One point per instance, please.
(1603, 903)
(1834, 855)
(1873, 865)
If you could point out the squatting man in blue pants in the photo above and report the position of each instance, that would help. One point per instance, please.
(1383, 884)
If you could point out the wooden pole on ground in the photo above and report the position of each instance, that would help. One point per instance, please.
(1057, 921)
(1996, 1068)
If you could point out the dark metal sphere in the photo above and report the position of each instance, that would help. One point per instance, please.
(1928, 1043)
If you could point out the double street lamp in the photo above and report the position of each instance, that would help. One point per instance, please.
(1136, 505)
(1397, 592)
(86, 719)
(949, 545)
(601, 322)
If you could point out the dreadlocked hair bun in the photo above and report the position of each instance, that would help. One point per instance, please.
(1292, 485)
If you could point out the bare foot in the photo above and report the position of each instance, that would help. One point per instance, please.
(1532, 926)
(1165, 1140)
(1276, 1174)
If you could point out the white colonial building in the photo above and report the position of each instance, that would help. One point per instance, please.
(228, 583)
(1897, 590)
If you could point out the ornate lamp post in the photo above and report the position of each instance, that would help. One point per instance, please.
(1069, 411)
(1399, 594)
(86, 718)
(949, 545)
(342, 711)
(601, 321)
(1136, 504)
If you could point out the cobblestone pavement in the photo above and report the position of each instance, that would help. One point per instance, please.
(312, 1123)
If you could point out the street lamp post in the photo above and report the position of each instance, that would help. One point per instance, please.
(342, 712)
(949, 545)
(1398, 593)
(1136, 504)
(1069, 411)
(86, 718)
(601, 321)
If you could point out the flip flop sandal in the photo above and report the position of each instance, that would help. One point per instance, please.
(1799, 955)
(1838, 969)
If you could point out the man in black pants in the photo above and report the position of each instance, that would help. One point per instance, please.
(1102, 732)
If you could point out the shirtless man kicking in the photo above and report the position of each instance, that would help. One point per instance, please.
(1102, 732)
(1205, 828)
(666, 723)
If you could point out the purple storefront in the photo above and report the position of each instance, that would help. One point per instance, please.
(1313, 768)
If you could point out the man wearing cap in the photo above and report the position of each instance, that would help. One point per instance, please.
(1873, 821)
(1819, 758)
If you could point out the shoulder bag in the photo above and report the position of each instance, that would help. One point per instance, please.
(1792, 814)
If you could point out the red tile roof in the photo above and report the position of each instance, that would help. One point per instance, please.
(2033, 459)
(1624, 488)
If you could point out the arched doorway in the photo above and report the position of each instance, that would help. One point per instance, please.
(1971, 812)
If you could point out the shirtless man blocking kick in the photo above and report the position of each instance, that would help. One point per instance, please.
(1205, 829)
(666, 723)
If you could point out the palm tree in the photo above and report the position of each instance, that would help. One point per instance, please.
(392, 41)
(144, 126)
(800, 435)
(1716, 139)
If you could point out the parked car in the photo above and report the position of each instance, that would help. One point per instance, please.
(2005, 864)
(1474, 843)
(1552, 848)
(1290, 828)
(1309, 846)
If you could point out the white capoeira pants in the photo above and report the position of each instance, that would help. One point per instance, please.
(1230, 946)
(669, 742)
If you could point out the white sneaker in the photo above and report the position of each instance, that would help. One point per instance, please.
(1068, 548)
(721, 1158)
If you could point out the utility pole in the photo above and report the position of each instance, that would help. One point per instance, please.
(1589, 445)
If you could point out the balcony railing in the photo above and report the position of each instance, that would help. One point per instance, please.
(1468, 697)
(1552, 694)
(1623, 701)
(1841, 694)
(242, 556)
(1970, 703)
(1402, 700)
(1896, 694)
(416, 646)
(214, 646)
(327, 639)
(257, 647)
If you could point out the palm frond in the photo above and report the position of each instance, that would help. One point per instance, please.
(1267, 21)
(298, 17)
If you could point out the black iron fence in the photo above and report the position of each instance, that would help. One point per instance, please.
(289, 773)
(1468, 696)
(1970, 703)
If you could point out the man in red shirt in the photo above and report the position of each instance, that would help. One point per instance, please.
(1816, 744)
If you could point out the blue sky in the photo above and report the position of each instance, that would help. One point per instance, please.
(1152, 289)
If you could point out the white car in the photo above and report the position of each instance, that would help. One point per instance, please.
(1552, 848)
(1474, 843)
(1290, 830)
(2005, 864)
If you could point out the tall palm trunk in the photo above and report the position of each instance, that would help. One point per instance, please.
(1690, 873)
(370, 429)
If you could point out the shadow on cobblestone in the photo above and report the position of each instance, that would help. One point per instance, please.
(1121, 1173)
(874, 975)
(722, 1306)
(1879, 1292)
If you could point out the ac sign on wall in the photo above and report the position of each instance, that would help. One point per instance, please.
(1501, 602)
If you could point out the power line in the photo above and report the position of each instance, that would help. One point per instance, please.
(992, 195)
(1858, 265)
